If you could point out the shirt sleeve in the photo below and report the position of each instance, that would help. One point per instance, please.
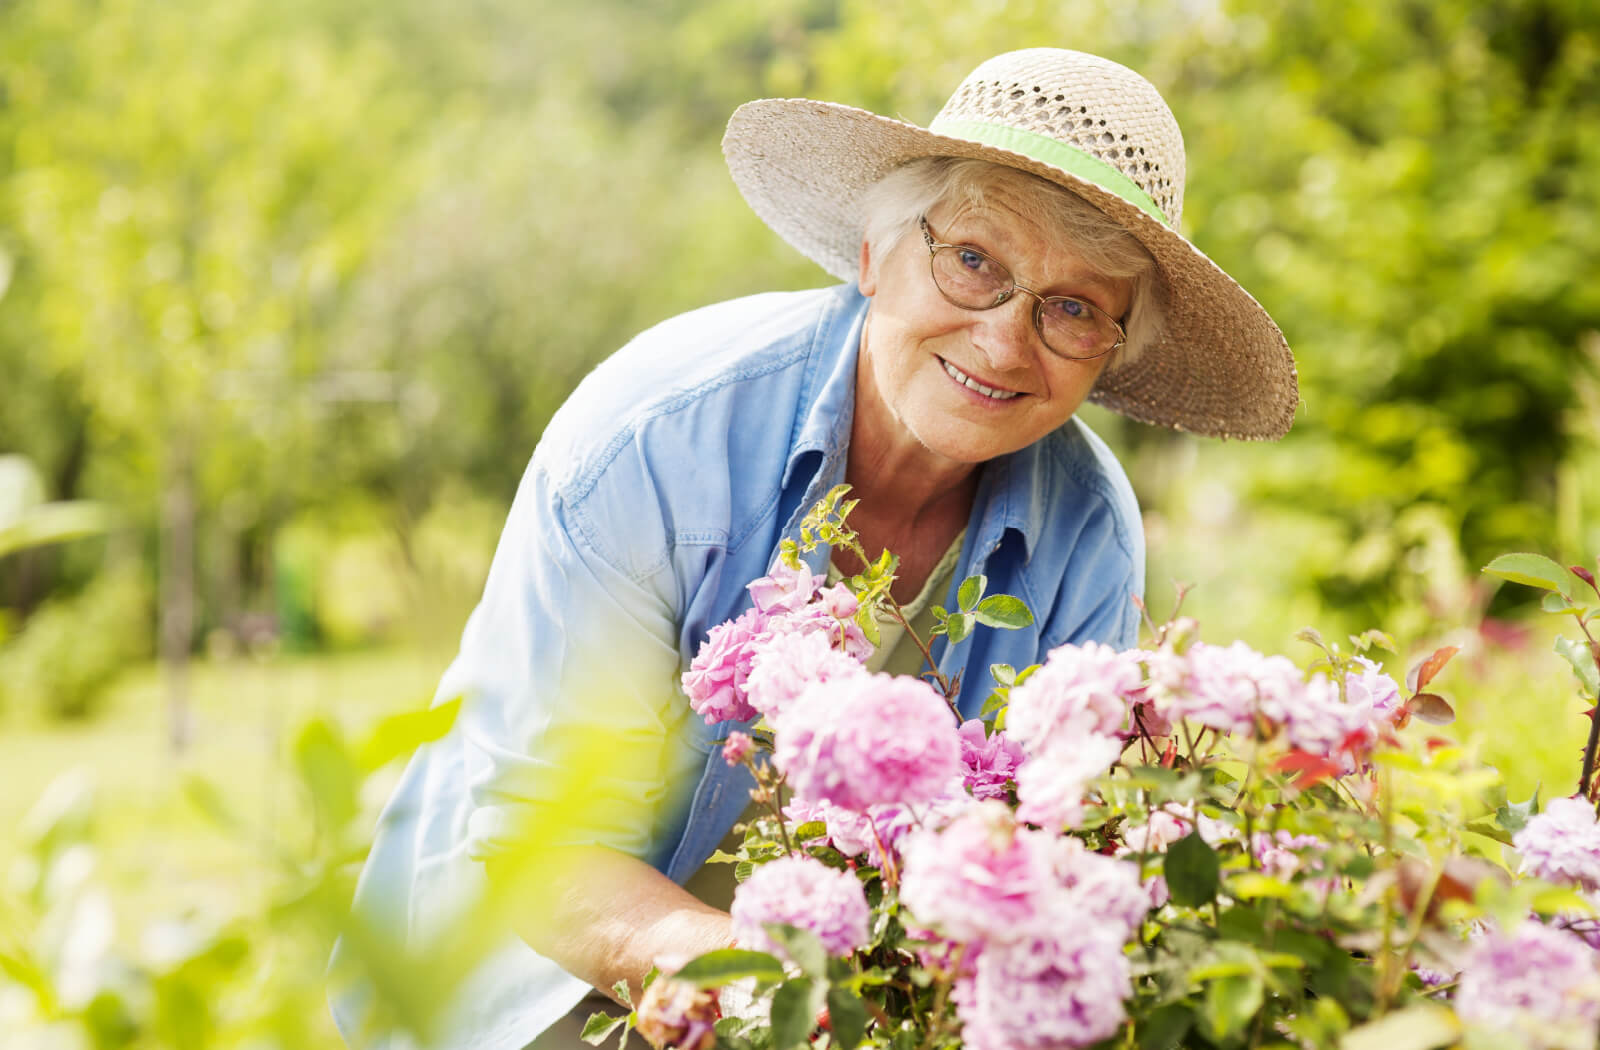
(573, 724)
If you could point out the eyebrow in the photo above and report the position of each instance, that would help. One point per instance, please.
(1097, 289)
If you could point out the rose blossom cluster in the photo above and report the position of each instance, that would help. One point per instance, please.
(989, 762)
(1071, 717)
(1234, 689)
(868, 739)
(1541, 984)
(801, 891)
(1562, 845)
(1037, 923)
(678, 1014)
(734, 677)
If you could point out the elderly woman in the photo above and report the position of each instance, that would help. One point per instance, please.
(1011, 261)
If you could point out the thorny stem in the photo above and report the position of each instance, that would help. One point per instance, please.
(1149, 621)
(936, 1022)
(1145, 743)
(1244, 783)
(1418, 919)
(893, 608)
(773, 795)
(889, 870)
(895, 611)
(1386, 959)
(1594, 718)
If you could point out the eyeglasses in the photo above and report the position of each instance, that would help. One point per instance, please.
(975, 280)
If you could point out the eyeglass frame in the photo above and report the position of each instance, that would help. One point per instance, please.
(1005, 297)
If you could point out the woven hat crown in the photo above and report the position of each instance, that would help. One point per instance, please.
(1091, 104)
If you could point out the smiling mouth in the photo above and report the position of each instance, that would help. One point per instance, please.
(972, 384)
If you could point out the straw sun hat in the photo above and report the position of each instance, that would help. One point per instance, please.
(1221, 367)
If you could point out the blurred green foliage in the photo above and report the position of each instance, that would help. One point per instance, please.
(289, 259)
(76, 645)
(80, 969)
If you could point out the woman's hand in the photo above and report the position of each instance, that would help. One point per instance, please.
(605, 916)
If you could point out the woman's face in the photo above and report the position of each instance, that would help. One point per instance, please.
(919, 350)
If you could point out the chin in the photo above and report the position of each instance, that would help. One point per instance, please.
(972, 449)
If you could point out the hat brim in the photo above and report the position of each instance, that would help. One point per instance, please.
(1221, 366)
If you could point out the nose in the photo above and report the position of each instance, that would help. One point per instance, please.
(1005, 335)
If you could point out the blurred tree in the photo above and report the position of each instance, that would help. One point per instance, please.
(263, 257)
(1409, 187)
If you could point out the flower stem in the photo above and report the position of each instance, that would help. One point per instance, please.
(936, 1022)
(773, 793)
(1594, 718)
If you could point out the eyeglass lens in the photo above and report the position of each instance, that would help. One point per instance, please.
(972, 280)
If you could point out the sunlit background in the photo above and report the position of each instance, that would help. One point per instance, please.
(289, 288)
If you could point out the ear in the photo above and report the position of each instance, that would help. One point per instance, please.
(867, 279)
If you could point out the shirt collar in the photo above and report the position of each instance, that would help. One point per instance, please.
(830, 391)
(1011, 498)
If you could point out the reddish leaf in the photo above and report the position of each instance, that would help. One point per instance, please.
(1586, 576)
(1431, 708)
(1458, 881)
(1436, 742)
(1423, 673)
(1309, 769)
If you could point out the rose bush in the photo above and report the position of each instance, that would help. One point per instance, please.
(1184, 845)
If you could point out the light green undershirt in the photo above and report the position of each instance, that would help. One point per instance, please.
(897, 653)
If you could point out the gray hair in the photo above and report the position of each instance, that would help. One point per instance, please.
(893, 204)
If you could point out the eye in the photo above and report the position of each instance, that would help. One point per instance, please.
(1071, 309)
(970, 259)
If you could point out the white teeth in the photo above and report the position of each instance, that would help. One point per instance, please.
(972, 384)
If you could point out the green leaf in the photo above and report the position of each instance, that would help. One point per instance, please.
(1005, 611)
(729, 964)
(1534, 570)
(205, 797)
(847, 1016)
(1192, 871)
(54, 523)
(1577, 654)
(811, 829)
(1514, 816)
(329, 773)
(1165, 1027)
(1250, 885)
(1489, 829)
(960, 625)
(1424, 1026)
(621, 987)
(1003, 674)
(868, 624)
(996, 700)
(802, 946)
(970, 591)
(1556, 602)
(1374, 637)
(795, 1006)
(598, 1026)
(401, 734)
(1231, 1004)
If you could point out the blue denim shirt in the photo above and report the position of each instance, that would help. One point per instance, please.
(664, 485)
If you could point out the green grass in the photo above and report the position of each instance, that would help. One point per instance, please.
(165, 856)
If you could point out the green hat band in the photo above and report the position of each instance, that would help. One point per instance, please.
(1054, 152)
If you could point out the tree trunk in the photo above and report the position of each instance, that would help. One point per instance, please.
(177, 591)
